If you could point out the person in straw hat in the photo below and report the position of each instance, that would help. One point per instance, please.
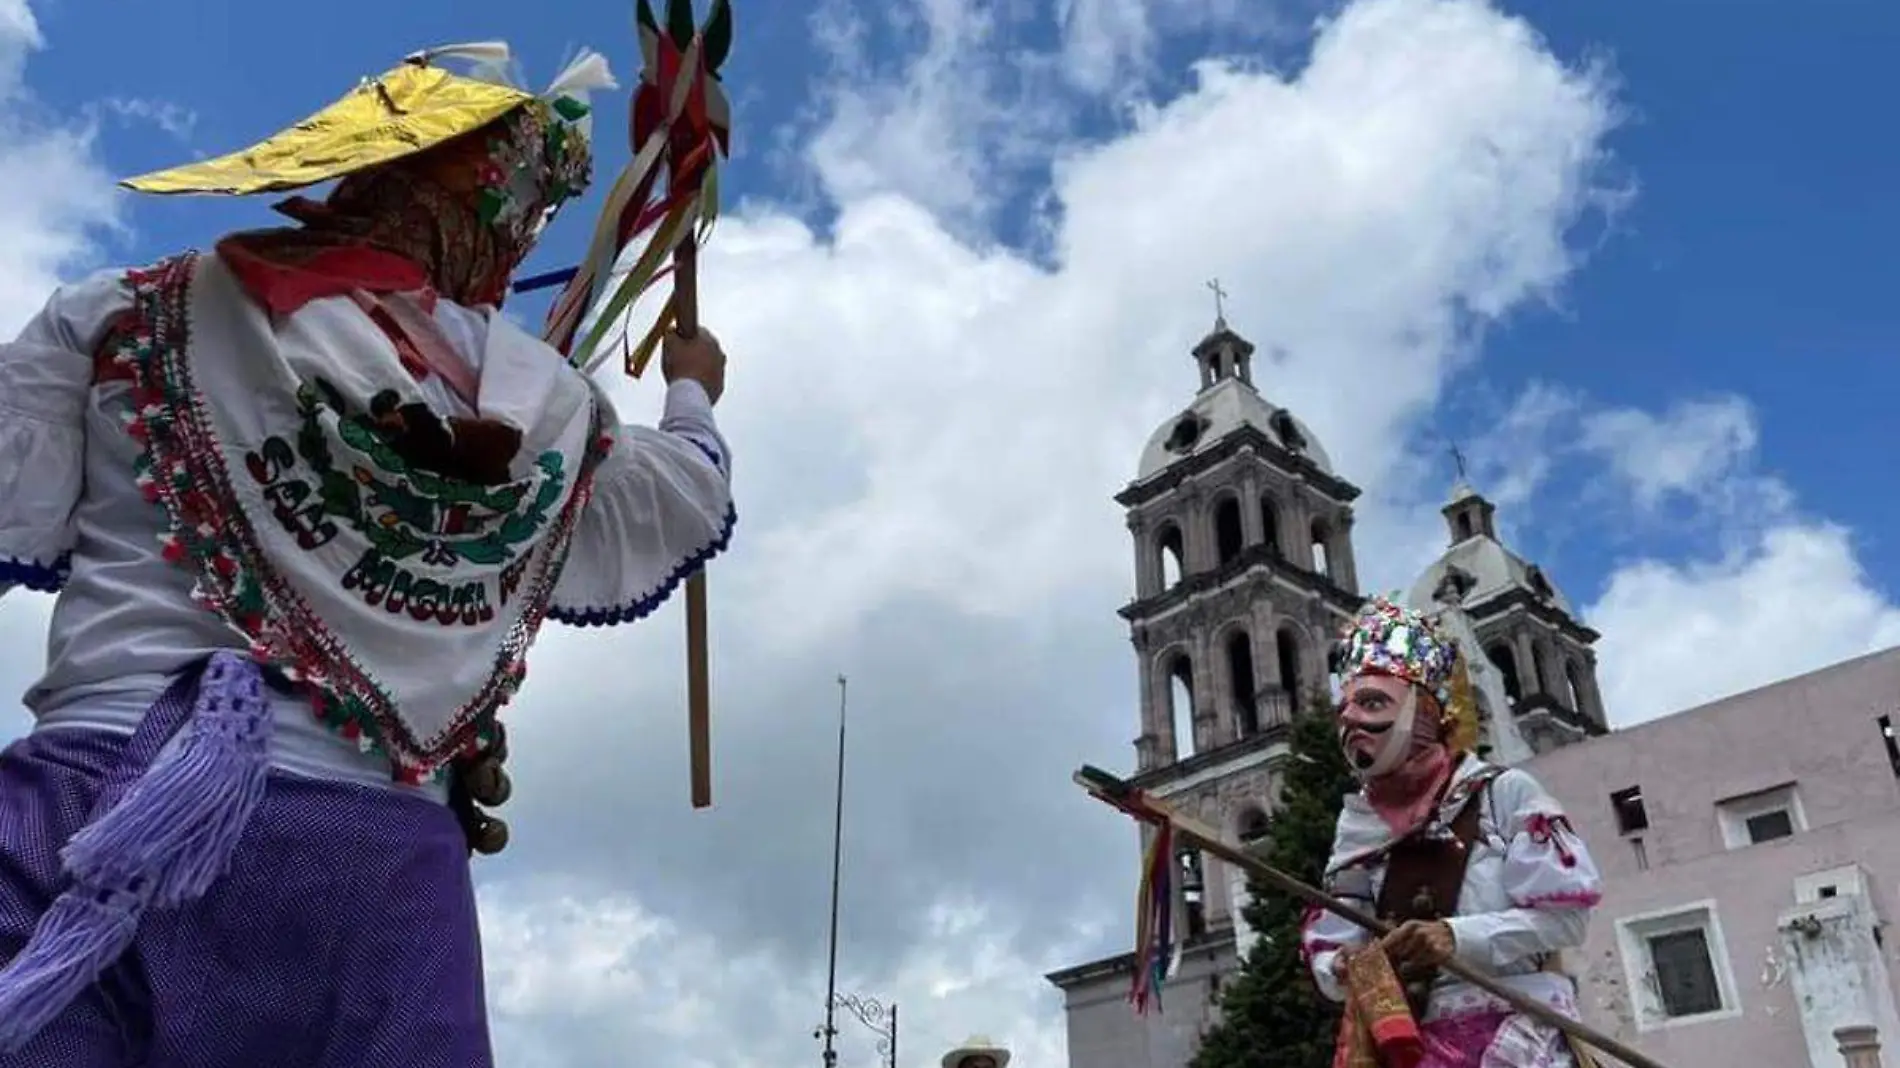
(1467, 859)
(977, 1052)
(306, 501)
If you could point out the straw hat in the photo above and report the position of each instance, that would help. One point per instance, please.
(976, 1046)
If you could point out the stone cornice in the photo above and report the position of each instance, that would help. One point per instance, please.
(1271, 451)
(1266, 737)
(1260, 556)
(1493, 607)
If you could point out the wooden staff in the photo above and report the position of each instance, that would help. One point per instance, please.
(1119, 793)
(698, 662)
(675, 48)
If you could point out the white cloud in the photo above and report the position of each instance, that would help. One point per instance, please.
(1368, 216)
(173, 119)
(55, 198)
(948, 127)
(1693, 447)
(608, 977)
(1677, 635)
(55, 201)
(1103, 38)
(1110, 47)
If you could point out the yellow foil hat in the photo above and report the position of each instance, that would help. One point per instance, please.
(408, 110)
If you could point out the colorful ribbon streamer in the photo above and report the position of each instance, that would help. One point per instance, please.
(680, 127)
(1156, 952)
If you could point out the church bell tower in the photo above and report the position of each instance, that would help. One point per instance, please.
(1244, 573)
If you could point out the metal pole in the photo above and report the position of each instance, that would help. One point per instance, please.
(893, 1035)
(837, 853)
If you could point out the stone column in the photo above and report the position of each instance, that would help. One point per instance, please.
(1860, 1046)
(1528, 682)
(1197, 534)
(1553, 674)
(1252, 531)
(1297, 526)
(1313, 650)
(1593, 695)
(1205, 689)
(1266, 643)
(1161, 700)
(1226, 718)
(1270, 492)
(1214, 897)
(1148, 749)
(1147, 557)
(1345, 568)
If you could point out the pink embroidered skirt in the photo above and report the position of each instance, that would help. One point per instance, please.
(1492, 1040)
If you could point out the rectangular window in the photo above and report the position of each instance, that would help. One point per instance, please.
(1818, 886)
(1685, 974)
(1676, 964)
(1769, 826)
(1765, 816)
(1631, 816)
(1893, 743)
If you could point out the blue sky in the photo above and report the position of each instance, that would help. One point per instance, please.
(1757, 255)
(1749, 261)
(1635, 267)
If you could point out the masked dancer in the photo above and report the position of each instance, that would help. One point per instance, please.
(1469, 860)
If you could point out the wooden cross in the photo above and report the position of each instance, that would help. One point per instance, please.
(1220, 296)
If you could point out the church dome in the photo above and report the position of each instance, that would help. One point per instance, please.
(1486, 569)
(1220, 410)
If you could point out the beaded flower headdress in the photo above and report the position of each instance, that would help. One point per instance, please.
(1388, 639)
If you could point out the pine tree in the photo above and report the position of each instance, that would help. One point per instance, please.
(1272, 1016)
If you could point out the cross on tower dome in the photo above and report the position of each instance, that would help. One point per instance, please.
(1220, 304)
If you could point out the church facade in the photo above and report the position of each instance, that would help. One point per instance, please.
(1244, 573)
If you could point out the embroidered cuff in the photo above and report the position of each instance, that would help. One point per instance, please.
(646, 604)
(43, 578)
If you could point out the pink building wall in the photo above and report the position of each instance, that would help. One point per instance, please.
(1818, 732)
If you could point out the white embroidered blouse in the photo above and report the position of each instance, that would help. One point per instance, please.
(73, 520)
(1528, 891)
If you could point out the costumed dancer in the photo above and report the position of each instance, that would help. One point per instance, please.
(1467, 859)
(306, 502)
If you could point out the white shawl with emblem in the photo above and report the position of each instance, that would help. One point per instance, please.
(404, 599)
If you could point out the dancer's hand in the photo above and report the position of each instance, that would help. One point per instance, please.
(698, 358)
(1419, 944)
(1342, 959)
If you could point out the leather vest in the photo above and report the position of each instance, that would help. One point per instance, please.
(1425, 877)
